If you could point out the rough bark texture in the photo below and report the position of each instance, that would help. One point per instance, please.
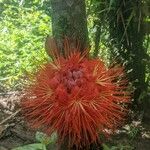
(69, 19)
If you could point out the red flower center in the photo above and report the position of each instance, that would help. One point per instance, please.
(72, 78)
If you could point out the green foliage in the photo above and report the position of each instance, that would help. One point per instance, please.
(23, 31)
(37, 146)
(43, 141)
(133, 133)
(98, 29)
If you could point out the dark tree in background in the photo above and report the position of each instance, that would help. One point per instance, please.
(125, 23)
(127, 29)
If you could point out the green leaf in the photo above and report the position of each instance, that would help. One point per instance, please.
(105, 147)
(37, 146)
(43, 138)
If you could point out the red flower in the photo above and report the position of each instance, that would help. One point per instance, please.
(77, 97)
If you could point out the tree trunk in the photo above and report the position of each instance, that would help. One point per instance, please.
(69, 20)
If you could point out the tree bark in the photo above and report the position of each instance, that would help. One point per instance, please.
(69, 20)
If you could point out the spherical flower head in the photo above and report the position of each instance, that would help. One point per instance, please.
(77, 97)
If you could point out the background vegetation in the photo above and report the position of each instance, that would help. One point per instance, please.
(24, 26)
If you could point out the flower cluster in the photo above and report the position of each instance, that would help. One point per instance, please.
(77, 97)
